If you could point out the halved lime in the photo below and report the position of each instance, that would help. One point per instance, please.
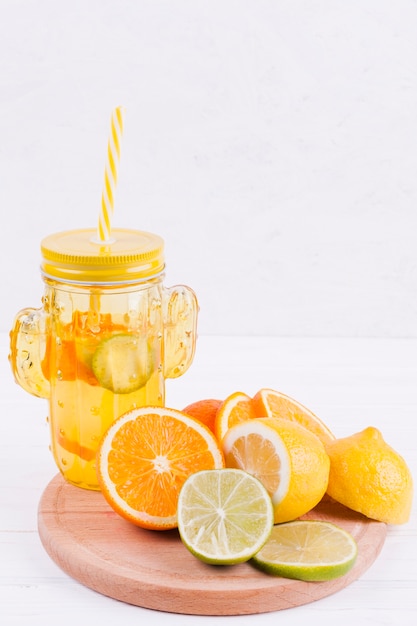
(311, 550)
(224, 516)
(123, 363)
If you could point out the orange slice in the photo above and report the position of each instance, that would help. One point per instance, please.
(144, 459)
(271, 403)
(235, 408)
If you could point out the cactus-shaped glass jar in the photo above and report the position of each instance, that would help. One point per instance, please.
(103, 342)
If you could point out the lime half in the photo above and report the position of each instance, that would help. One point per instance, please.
(224, 516)
(123, 363)
(309, 550)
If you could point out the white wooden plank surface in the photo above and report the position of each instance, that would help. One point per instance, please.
(348, 383)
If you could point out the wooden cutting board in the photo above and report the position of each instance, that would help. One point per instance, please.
(154, 570)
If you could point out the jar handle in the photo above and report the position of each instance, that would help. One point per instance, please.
(27, 346)
(180, 329)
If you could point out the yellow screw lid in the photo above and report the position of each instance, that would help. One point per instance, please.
(77, 256)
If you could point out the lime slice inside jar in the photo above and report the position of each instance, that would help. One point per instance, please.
(123, 363)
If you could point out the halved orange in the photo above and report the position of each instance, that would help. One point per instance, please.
(145, 457)
(271, 403)
(236, 408)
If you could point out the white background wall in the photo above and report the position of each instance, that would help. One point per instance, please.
(272, 143)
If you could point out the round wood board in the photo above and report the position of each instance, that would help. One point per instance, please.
(154, 570)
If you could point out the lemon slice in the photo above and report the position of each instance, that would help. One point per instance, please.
(123, 363)
(310, 550)
(224, 515)
(290, 461)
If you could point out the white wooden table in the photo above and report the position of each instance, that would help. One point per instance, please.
(349, 383)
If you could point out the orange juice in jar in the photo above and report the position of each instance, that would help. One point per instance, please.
(107, 336)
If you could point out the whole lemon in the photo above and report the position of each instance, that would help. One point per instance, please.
(370, 477)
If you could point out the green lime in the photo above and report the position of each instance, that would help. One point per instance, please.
(309, 550)
(224, 516)
(123, 363)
